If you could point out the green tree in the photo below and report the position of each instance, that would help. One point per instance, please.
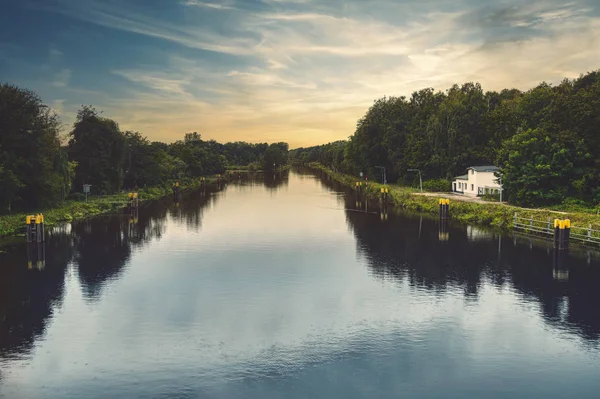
(538, 168)
(98, 147)
(30, 155)
(276, 155)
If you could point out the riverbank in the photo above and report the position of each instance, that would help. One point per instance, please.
(67, 211)
(254, 169)
(485, 214)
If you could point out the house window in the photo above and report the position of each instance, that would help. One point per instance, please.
(472, 171)
(472, 187)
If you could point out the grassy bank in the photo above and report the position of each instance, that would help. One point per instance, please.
(67, 211)
(488, 214)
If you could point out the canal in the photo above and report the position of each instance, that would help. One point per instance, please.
(284, 287)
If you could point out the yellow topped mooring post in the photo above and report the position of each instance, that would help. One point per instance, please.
(444, 208)
(30, 223)
(562, 233)
(35, 227)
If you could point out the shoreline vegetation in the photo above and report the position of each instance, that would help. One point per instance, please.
(44, 169)
(13, 225)
(492, 214)
(544, 141)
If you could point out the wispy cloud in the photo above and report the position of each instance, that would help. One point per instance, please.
(61, 79)
(216, 6)
(304, 71)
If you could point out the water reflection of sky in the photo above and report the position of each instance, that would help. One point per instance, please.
(269, 299)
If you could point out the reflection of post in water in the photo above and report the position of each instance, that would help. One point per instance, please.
(133, 219)
(36, 255)
(560, 270)
(384, 212)
(443, 233)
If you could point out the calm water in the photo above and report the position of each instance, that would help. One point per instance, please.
(276, 288)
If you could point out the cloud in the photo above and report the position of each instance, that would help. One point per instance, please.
(305, 71)
(61, 79)
(54, 53)
(156, 81)
(118, 16)
(216, 6)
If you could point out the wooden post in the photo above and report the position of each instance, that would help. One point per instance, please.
(589, 234)
(515, 221)
(548, 229)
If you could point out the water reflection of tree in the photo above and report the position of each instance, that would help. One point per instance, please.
(193, 204)
(101, 251)
(103, 245)
(28, 296)
(99, 248)
(275, 180)
(394, 250)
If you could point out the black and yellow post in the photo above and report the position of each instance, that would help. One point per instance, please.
(39, 228)
(562, 233)
(384, 202)
(132, 203)
(35, 228)
(444, 209)
(384, 195)
(30, 223)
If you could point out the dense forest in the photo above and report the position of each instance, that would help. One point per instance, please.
(545, 140)
(39, 166)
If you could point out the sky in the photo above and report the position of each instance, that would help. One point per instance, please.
(300, 71)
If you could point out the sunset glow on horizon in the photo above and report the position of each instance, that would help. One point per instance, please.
(299, 71)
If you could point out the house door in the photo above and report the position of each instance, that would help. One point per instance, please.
(454, 187)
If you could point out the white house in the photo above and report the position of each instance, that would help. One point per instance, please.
(479, 180)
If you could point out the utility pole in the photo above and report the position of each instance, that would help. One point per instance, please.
(383, 177)
(420, 178)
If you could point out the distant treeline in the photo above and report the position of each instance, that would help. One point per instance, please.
(37, 170)
(545, 140)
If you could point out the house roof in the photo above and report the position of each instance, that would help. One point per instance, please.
(463, 177)
(486, 168)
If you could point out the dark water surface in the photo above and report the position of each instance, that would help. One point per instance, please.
(271, 289)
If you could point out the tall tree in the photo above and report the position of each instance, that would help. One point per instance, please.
(98, 147)
(30, 155)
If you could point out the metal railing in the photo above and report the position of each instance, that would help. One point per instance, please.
(546, 227)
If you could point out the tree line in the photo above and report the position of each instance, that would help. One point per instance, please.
(545, 140)
(40, 166)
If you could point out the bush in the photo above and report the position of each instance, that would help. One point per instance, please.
(437, 185)
(491, 197)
